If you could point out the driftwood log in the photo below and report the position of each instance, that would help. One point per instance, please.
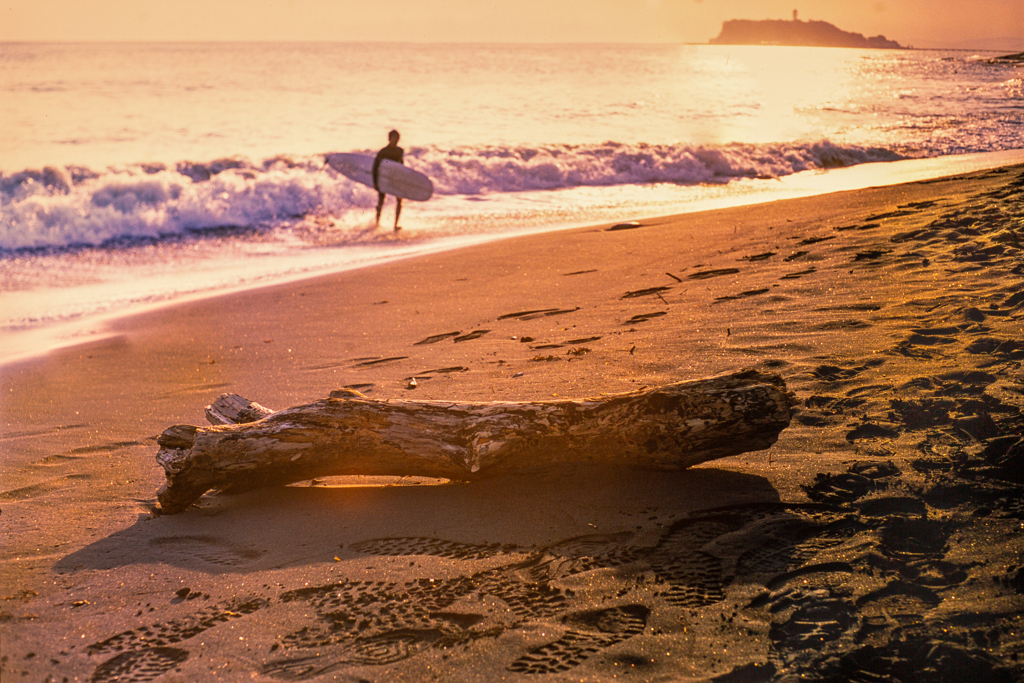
(669, 427)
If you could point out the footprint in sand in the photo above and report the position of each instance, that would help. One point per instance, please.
(776, 539)
(105, 447)
(823, 410)
(1000, 350)
(706, 274)
(918, 348)
(861, 226)
(604, 628)
(145, 652)
(369, 362)
(646, 292)
(956, 383)
(799, 274)
(927, 659)
(890, 214)
(139, 665)
(206, 549)
(742, 295)
(429, 374)
(899, 603)
(860, 479)
(1013, 579)
(537, 313)
(475, 334)
(1014, 300)
(814, 240)
(808, 618)
(835, 373)
(42, 432)
(644, 317)
(437, 338)
(870, 254)
(527, 315)
(174, 631)
(913, 539)
(54, 485)
(830, 325)
(378, 622)
(433, 547)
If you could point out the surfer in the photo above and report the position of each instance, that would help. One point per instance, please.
(394, 153)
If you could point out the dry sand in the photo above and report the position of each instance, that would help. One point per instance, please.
(879, 539)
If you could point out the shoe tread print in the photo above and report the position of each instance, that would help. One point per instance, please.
(138, 666)
(589, 633)
(176, 630)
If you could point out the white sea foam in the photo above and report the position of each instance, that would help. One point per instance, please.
(69, 207)
(58, 208)
(512, 169)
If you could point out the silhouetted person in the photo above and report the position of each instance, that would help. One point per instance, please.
(393, 153)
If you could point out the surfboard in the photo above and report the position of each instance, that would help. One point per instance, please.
(392, 178)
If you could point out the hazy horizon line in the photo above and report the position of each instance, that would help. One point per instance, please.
(121, 41)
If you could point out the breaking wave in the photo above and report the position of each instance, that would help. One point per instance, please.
(76, 206)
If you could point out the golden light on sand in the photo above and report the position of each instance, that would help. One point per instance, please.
(831, 237)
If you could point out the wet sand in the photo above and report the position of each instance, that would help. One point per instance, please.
(881, 537)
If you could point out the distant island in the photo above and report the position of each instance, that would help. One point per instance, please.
(795, 32)
(1019, 57)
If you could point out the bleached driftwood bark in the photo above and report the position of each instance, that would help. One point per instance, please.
(669, 427)
(232, 409)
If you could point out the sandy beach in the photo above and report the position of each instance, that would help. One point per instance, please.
(879, 539)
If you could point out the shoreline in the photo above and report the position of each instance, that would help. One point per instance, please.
(883, 526)
(27, 344)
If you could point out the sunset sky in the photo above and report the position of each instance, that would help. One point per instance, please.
(977, 24)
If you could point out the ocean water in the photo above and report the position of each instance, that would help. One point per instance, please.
(135, 175)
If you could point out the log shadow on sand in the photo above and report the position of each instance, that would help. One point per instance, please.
(305, 524)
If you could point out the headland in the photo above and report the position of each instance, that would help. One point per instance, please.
(796, 32)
